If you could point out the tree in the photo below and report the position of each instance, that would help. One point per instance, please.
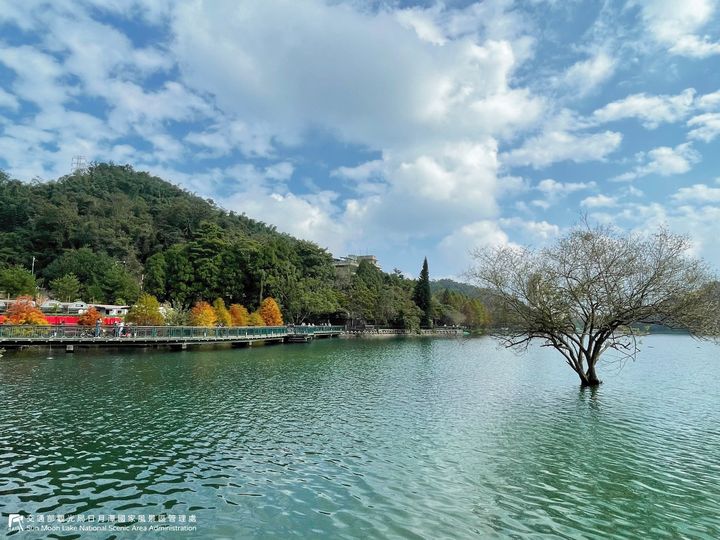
(270, 312)
(476, 315)
(155, 275)
(221, 313)
(239, 315)
(146, 312)
(118, 285)
(176, 316)
(90, 317)
(179, 289)
(205, 255)
(16, 281)
(202, 314)
(24, 311)
(588, 292)
(256, 319)
(410, 316)
(422, 295)
(66, 288)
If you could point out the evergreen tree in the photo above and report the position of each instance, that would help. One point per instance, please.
(422, 295)
(16, 281)
(66, 288)
(155, 275)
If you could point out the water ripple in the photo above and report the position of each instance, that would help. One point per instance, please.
(368, 439)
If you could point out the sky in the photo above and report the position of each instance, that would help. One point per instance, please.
(399, 129)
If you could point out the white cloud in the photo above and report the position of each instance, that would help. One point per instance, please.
(364, 171)
(537, 231)
(312, 217)
(598, 201)
(8, 100)
(384, 91)
(553, 146)
(709, 102)
(705, 127)
(430, 90)
(699, 193)
(698, 221)
(553, 191)
(585, 76)
(458, 245)
(650, 110)
(490, 19)
(677, 25)
(555, 188)
(664, 161)
(79, 58)
(36, 76)
(280, 171)
(434, 191)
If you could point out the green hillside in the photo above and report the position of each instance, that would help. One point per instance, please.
(111, 232)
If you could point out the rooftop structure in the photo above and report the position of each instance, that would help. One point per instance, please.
(349, 265)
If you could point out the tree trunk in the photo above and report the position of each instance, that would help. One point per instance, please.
(590, 378)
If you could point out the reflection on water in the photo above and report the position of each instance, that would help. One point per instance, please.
(398, 438)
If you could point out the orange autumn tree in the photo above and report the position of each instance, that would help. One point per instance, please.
(239, 315)
(90, 317)
(24, 311)
(221, 313)
(256, 319)
(202, 314)
(270, 312)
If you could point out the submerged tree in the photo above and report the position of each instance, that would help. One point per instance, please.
(592, 289)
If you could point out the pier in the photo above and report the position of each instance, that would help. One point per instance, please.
(176, 337)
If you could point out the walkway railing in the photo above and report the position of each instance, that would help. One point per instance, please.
(156, 333)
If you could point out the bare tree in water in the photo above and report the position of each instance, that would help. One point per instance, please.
(594, 289)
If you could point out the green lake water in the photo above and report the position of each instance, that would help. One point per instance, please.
(413, 438)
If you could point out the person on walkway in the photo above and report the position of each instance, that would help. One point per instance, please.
(97, 328)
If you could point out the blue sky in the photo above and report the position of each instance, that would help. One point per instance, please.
(400, 129)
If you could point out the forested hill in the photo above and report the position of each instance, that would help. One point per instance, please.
(129, 215)
(113, 227)
(109, 233)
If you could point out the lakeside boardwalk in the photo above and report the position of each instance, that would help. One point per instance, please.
(14, 337)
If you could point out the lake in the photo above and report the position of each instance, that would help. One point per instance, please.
(395, 438)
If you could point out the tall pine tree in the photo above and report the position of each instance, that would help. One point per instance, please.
(422, 295)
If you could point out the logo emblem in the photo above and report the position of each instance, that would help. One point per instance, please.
(16, 521)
